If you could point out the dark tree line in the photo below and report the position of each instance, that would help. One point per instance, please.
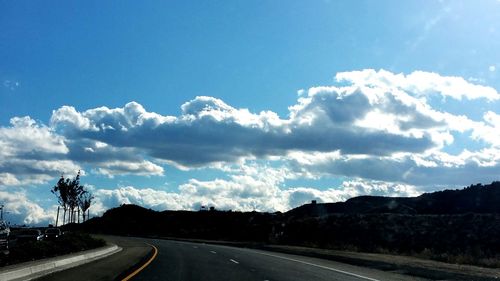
(73, 198)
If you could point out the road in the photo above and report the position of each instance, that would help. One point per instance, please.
(184, 261)
(109, 268)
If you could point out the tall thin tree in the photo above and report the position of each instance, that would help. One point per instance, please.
(84, 201)
(61, 191)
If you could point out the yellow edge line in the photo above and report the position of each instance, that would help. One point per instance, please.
(143, 266)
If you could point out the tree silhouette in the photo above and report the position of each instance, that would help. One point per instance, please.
(68, 192)
(74, 191)
(60, 190)
(84, 202)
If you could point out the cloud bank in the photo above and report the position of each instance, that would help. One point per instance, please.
(378, 129)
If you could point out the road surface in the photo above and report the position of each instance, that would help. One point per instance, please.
(184, 261)
(109, 268)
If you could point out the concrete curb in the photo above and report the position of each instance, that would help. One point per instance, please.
(36, 269)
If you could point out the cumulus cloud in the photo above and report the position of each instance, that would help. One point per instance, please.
(143, 168)
(147, 197)
(348, 189)
(249, 187)
(31, 153)
(26, 136)
(435, 170)
(377, 113)
(489, 130)
(379, 129)
(420, 83)
(371, 120)
(235, 195)
(23, 210)
(368, 113)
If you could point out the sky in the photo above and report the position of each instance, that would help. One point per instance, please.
(245, 105)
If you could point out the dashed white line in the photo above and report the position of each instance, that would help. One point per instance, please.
(195, 247)
(234, 261)
(320, 266)
(213, 252)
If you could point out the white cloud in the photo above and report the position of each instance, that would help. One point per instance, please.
(8, 179)
(147, 197)
(370, 118)
(492, 68)
(25, 136)
(436, 169)
(489, 130)
(379, 113)
(210, 131)
(249, 187)
(20, 209)
(376, 127)
(143, 168)
(241, 195)
(420, 83)
(31, 153)
(69, 115)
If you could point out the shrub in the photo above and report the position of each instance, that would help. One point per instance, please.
(66, 244)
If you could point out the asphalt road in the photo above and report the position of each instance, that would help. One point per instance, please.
(109, 268)
(183, 261)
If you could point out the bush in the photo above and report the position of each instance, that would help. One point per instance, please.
(66, 244)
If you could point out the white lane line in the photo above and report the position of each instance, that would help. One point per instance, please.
(234, 261)
(321, 266)
(195, 247)
(213, 252)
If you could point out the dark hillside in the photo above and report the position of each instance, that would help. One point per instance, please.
(473, 199)
(219, 225)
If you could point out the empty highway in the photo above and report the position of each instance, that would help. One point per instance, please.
(184, 261)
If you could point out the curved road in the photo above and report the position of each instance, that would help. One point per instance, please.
(184, 261)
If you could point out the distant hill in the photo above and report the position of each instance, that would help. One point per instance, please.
(136, 220)
(219, 225)
(473, 199)
(450, 225)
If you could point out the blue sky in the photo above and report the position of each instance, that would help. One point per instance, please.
(245, 104)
